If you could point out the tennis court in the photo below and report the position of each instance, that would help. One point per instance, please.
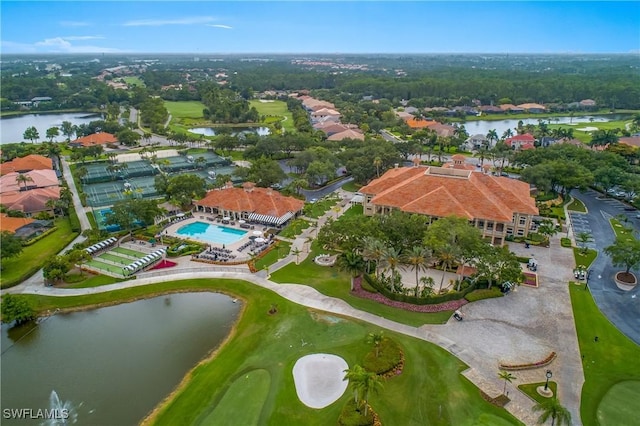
(116, 259)
(105, 266)
(107, 193)
(192, 162)
(128, 252)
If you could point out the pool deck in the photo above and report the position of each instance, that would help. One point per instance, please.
(172, 230)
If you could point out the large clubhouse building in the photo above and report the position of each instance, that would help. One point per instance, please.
(498, 206)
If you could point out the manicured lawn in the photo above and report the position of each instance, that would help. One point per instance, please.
(281, 250)
(577, 206)
(584, 259)
(620, 231)
(277, 109)
(530, 389)
(351, 186)
(354, 210)
(294, 228)
(134, 81)
(17, 269)
(91, 280)
(613, 359)
(335, 283)
(185, 109)
(273, 343)
(317, 209)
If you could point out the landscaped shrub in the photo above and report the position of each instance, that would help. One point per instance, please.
(432, 299)
(388, 359)
(523, 259)
(350, 415)
(565, 242)
(476, 295)
(39, 237)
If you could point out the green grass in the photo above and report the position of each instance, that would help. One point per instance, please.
(133, 81)
(584, 259)
(335, 283)
(248, 391)
(91, 280)
(621, 230)
(320, 207)
(530, 389)
(105, 266)
(445, 397)
(17, 269)
(277, 109)
(294, 228)
(618, 406)
(577, 206)
(351, 186)
(128, 252)
(117, 259)
(185, 109)
(484, 293)
(280, 251)
(354, 210)
(611, 360)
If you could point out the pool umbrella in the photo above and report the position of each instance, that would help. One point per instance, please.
(241, 221)
(226, 218)
(260, 240)
(257, 232)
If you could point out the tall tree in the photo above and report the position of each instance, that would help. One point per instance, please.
(16, 308)
(10, 245)
(418, 258)
(52, 132)
(352, 263)
(68, 129)
(23, 178)
(31, 133)
(507, 377)
(624, 252)
(552, 408)
(584, 238)
(375, 339)
(363, 383)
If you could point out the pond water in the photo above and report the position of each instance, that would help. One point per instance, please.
(12, 128)
(111, 365)
(211, 131)
(483, 127)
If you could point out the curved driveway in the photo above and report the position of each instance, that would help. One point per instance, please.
(621, 307)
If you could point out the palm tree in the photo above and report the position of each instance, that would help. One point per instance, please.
(419, 258)
(23, 178)
(296, 252)
(377, 162)
(362, 382)
(391, 258)
(352, 263)
(507, 377)
(482, 152)
(552, 408)
(447, 255)
(492, 136)
(375, 339)
(82, 172)
(368, 251)
(584, 238)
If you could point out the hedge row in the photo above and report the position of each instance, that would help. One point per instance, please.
(431, 300)
(39, 237)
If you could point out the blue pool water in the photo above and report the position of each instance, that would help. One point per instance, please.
(211, 233)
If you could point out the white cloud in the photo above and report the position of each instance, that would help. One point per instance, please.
(226, 27)
(74, 24)
(64, 45)
(176, 21)
(15, 47)
(76, 38)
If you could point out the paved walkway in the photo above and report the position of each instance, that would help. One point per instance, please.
(522, 327)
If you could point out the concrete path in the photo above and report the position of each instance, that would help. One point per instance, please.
(77, 204)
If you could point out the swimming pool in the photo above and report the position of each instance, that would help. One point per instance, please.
(211, 233)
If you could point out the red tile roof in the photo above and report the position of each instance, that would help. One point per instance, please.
(39, 179)
(264, 201)
(12, 224)
(346, 134)
(25, 164)
(31, 201)
(630, 140)
(440, 192)
(526, 137)
(419, 124)
(96, 139)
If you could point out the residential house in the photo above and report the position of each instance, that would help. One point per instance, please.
(12, 224)
(30, 202)
(35, 179)
(458, 161)
(347, 134)
(443, 130)
(511, 108)
(251, 203)
(521, 142)
(630, 140)
(476, 142)
(533, 108)
(547, 141)
(587, 103)
(23, 227)
(419, 124)
(325, 113)
(491, 109)
(497, 206)
(26, 164)
(100, 138)
(331, 127)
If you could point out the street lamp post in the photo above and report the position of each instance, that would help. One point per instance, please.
(548, 374)
(586, 281)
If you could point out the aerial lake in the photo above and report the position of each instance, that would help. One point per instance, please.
(113, 365)
(12, 127)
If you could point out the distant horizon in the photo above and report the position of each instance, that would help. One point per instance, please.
(200, 54)
(320, 28)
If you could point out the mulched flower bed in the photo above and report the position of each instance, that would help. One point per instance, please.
(548, 360)
(530, 279)
(451, 305)
(165, 264)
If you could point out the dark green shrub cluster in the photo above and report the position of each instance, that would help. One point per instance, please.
(565, 242)
(484, 294)
(350, 415)
(389, 356)
(430, 300)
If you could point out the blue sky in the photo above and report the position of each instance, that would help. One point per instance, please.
(320, 27)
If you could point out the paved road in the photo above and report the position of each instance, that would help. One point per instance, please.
(319, 193)
(77, 204)
(621, 307)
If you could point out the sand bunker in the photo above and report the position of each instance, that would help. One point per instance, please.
(588, 129)
(318, 379)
